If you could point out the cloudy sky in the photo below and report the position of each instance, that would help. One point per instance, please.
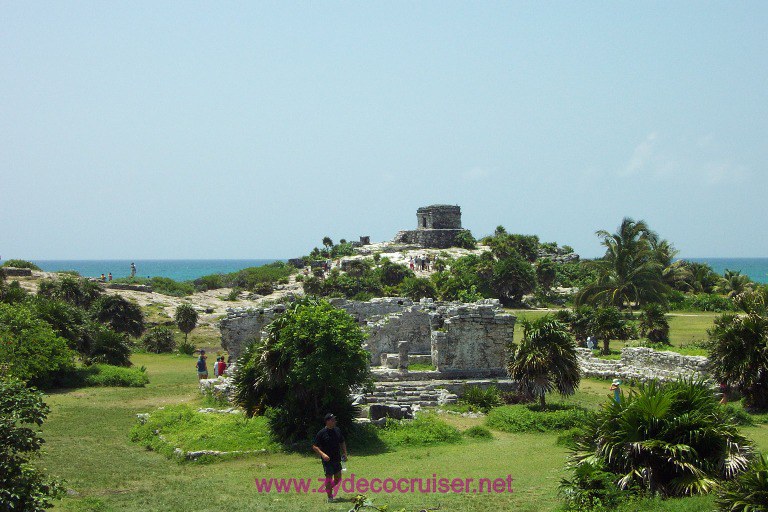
(253, 129)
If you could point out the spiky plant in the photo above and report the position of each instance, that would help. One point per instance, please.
(749, 491)
(670, 439)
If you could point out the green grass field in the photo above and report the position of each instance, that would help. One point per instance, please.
(88, 444)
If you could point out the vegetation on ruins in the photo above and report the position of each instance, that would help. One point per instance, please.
(545, 360)
(23, 487)
(738, 349)
(669, 439)
(312, 354)
(20, 264)
(186, 319)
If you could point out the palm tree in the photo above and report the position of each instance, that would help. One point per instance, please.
(749, 491)
(629, 273)
(186, 319)
(545, 360)
(675, 274)
(733, 283)
(672, 439)
(738, 350)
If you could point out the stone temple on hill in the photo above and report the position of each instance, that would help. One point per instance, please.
(437, 227)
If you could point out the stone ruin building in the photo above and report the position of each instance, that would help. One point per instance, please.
(437, 227)
(458, 340)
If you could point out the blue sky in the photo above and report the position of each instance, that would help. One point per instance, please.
(253, 129)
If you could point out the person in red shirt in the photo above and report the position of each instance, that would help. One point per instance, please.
(222, 366)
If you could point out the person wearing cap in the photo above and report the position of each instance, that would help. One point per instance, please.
(615, 387)
(329, 444)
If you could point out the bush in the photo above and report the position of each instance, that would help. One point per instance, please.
(702, 302)
(68, 321)
(74, 290)
(120, 314)
(183, 427)
(20, 264)
(109, 347)
(30, 348)
(480, 399)
(478, 432)
(23, 487)
(392, 274)
(417, 288)
(12, 293)
(159, 340)
(465, 240)
(591, 488)
(529, 418)
(425, 430)
(103, 375)
(303, 369)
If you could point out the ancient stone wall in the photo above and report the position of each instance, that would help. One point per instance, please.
(644, 364)
(432, 238)
(438, 216)
(474, 339)
(243, 326)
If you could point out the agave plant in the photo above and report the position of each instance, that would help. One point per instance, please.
(670, 439)
(545, 360)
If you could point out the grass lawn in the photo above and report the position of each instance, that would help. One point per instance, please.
(88, 444)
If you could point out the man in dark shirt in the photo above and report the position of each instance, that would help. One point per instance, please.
(329, 445)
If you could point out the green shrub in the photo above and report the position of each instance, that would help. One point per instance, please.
(465, 240)
(120, 314)
(425, 430)
(20, 264)
(12, 293)
(109, 347)
(478, 432)
(29, 347)
(480, 399)
(417, 288)
(23, 487)
(103, 375)
(591, 488)
(529, 418)
(183, 427)
(702, 302)
(264, 288)
(74, 290)
(158, 340)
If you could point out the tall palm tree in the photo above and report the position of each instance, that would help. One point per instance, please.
(545, 360)
(630, 272)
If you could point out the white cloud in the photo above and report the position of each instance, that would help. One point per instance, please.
(642, 156)
(476, 173)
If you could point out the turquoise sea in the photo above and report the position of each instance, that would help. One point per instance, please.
(183, 270)
(179, 270)
(755, 268)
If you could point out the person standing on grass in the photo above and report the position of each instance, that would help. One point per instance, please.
(222, 366)
(202, 367)
(616, 388)
(330, 445)
(133, 270)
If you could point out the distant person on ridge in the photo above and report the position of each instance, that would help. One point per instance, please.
(110, 276)
(133, 270)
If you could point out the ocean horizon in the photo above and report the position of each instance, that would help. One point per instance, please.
(176, 269)
(189, 269)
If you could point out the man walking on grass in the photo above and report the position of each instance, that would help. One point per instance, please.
(329, 445)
